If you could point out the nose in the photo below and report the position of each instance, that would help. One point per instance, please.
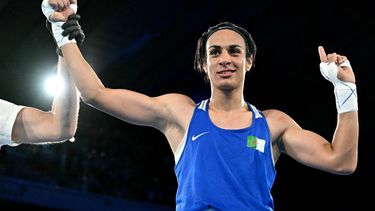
(224, 59)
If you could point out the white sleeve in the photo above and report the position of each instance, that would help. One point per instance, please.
(8, 115)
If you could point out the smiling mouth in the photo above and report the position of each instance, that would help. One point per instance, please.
(226, 73)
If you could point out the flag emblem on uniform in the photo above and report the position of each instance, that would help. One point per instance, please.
(255, 143)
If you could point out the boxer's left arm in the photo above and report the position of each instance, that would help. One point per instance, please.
(339, 155)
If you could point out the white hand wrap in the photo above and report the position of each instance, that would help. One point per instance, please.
(48, 10)
(345, 92)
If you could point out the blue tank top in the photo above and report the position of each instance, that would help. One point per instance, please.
(224, 169)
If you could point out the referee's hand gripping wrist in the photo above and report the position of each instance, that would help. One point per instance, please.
(57, 15)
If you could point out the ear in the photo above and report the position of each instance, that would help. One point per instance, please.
(249, 63)
(205, 67)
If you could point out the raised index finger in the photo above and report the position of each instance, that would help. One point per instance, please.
(322, 54)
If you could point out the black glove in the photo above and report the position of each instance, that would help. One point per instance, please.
(72, 29)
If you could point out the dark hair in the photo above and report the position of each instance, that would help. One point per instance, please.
(200, 53)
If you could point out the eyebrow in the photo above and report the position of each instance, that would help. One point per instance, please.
(230, 46)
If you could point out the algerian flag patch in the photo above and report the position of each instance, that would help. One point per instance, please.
(256, 143)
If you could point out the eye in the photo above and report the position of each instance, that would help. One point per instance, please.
(214, 52)
(235, 51)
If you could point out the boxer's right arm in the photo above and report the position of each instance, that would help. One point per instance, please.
(129, 106)
(124, 104)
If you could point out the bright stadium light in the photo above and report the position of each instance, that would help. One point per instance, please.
(53, 85)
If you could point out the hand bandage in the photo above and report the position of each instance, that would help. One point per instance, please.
(345, 92)
(48, 10)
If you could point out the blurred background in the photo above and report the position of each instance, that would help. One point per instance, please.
(149, 47)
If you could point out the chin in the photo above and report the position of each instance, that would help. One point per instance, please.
(227, 85)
